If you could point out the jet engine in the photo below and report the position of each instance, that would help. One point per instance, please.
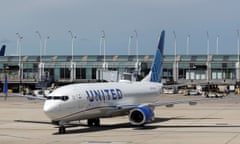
(141, 115)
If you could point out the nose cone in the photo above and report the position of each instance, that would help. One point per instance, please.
(51, 109)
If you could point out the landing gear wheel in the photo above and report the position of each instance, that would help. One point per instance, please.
(62, 130)
(94, 122)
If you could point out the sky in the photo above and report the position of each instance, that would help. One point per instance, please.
(119, 19)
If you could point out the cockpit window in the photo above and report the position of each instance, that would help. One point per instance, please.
(63, 98)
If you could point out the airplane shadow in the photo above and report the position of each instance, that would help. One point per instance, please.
(105, 127)
(35, 122)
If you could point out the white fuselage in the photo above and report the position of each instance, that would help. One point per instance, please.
(96, 100)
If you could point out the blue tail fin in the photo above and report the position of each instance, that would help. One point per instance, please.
(157, 63)
(2, 51)
(155, 73)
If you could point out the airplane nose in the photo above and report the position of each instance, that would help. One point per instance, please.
(51, 109)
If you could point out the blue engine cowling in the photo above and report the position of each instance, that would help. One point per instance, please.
(141, 115)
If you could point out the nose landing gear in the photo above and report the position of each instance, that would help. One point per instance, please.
(61, 128)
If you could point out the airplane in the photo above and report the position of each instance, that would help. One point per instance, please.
(2, 51)
(92, 101)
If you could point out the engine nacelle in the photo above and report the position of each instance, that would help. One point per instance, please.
(141, 115)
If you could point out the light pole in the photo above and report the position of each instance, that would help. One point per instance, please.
(129, 44)
(208, 45)
(137, 49)
(72, 63)
(45, 45)
(217, 43)
(175, 57)
(19, 49)
(175, 44)
(188, 41)
(40, 55)
(208, 64)
(104, 48)
(73, 38)
(238, 43)
(40, 45)
(238, 47)
(100, 45)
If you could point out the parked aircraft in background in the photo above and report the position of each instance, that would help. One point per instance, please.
(2, 51)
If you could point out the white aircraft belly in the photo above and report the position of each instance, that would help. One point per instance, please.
(89, 113)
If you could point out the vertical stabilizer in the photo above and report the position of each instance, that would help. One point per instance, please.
(155, 73)
(2, 51)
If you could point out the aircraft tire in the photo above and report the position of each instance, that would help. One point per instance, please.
(93, 122)
(62, 130)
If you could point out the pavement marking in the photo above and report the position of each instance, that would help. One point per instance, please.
(104, 142)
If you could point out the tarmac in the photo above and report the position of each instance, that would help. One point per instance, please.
(22, 121)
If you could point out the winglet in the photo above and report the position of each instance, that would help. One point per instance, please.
(2, 51)
(155, 73)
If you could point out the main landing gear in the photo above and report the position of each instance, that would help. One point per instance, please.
(90, 122)
(94, 122)
(61, 130)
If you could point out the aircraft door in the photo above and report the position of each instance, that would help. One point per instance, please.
(80, 101)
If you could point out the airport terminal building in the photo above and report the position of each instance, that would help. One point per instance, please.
(32, 70)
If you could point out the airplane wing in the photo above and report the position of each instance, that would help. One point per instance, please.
(127, 108)
(170, 103)
(5, 91)
(30, 97)
(189, 101)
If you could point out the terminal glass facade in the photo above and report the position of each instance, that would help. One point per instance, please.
(32, 69)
